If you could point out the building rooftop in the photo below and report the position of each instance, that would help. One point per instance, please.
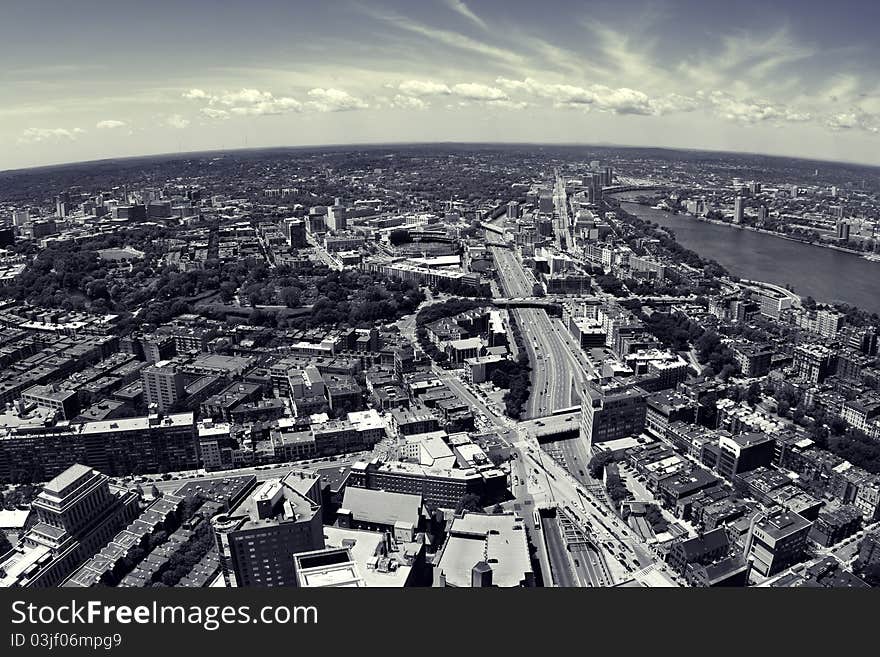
(498, 540)
(381, 507)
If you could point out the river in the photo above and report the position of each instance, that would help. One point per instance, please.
(825, 274)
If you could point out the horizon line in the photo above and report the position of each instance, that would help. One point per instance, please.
(377, 144)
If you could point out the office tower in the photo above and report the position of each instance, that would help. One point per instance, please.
(62, 202)
(607, 176)
(595, 164)
(754, 187)
(159, 209)
(337, 218)
(20, 217)
(843, 231)
(77, 513)
(762, 213)
(834, 192)
(163, 386)
(257, 539)
(545, 203)
(295, 232)
(738, 210)
(776, 541)
(793, 190)
(743, 453)
(612, 411)
(513, 210)
(596, 188)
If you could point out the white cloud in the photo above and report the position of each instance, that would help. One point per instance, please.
(176, 121)
(621, 100)
(751, 111)
(31, 135)
(423, 88)
(461, 8)
(242, 97)
(196, 94)
(408, 102)
(214, 113)
(110, 124)
(475, 91)
(853, 120)
(561, 94)
(244, 102)
(334, 100)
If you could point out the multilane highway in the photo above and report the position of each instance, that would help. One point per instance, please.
(557, 365)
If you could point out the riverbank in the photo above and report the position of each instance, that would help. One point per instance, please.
(827, 275)
(763, 231)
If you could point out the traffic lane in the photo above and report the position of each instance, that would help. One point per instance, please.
(587, 509)
(560, 562)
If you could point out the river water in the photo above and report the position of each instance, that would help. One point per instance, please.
(824, 274)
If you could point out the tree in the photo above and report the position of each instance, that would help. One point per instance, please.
(469, 502)
(291, 297)
(598, 462)
(753, 395)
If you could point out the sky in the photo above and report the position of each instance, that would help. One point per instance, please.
(95, 79)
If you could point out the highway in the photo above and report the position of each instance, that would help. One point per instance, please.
(560, 219)
(556, 360)
(587, 558)
(560, 562)
(624, 551)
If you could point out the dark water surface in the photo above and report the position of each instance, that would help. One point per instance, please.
(824, 274)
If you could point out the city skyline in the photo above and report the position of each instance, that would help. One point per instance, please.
(793, 80)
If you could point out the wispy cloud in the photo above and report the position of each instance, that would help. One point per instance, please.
(110, 124)
(461, 8)
(447, 37)
(33, 135)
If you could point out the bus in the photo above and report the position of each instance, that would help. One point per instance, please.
(537, 520)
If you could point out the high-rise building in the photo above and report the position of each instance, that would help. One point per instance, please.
(77, 513)
(337, 218)
(829, 321)
(257, 539)
(295, 232)
(843, 231)
(738, 210)
(163, 386)
(513, 210)
(814, 362)
(611, 412)
(754, 188)
(776, 541)
(20, 217)
(62, 203)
